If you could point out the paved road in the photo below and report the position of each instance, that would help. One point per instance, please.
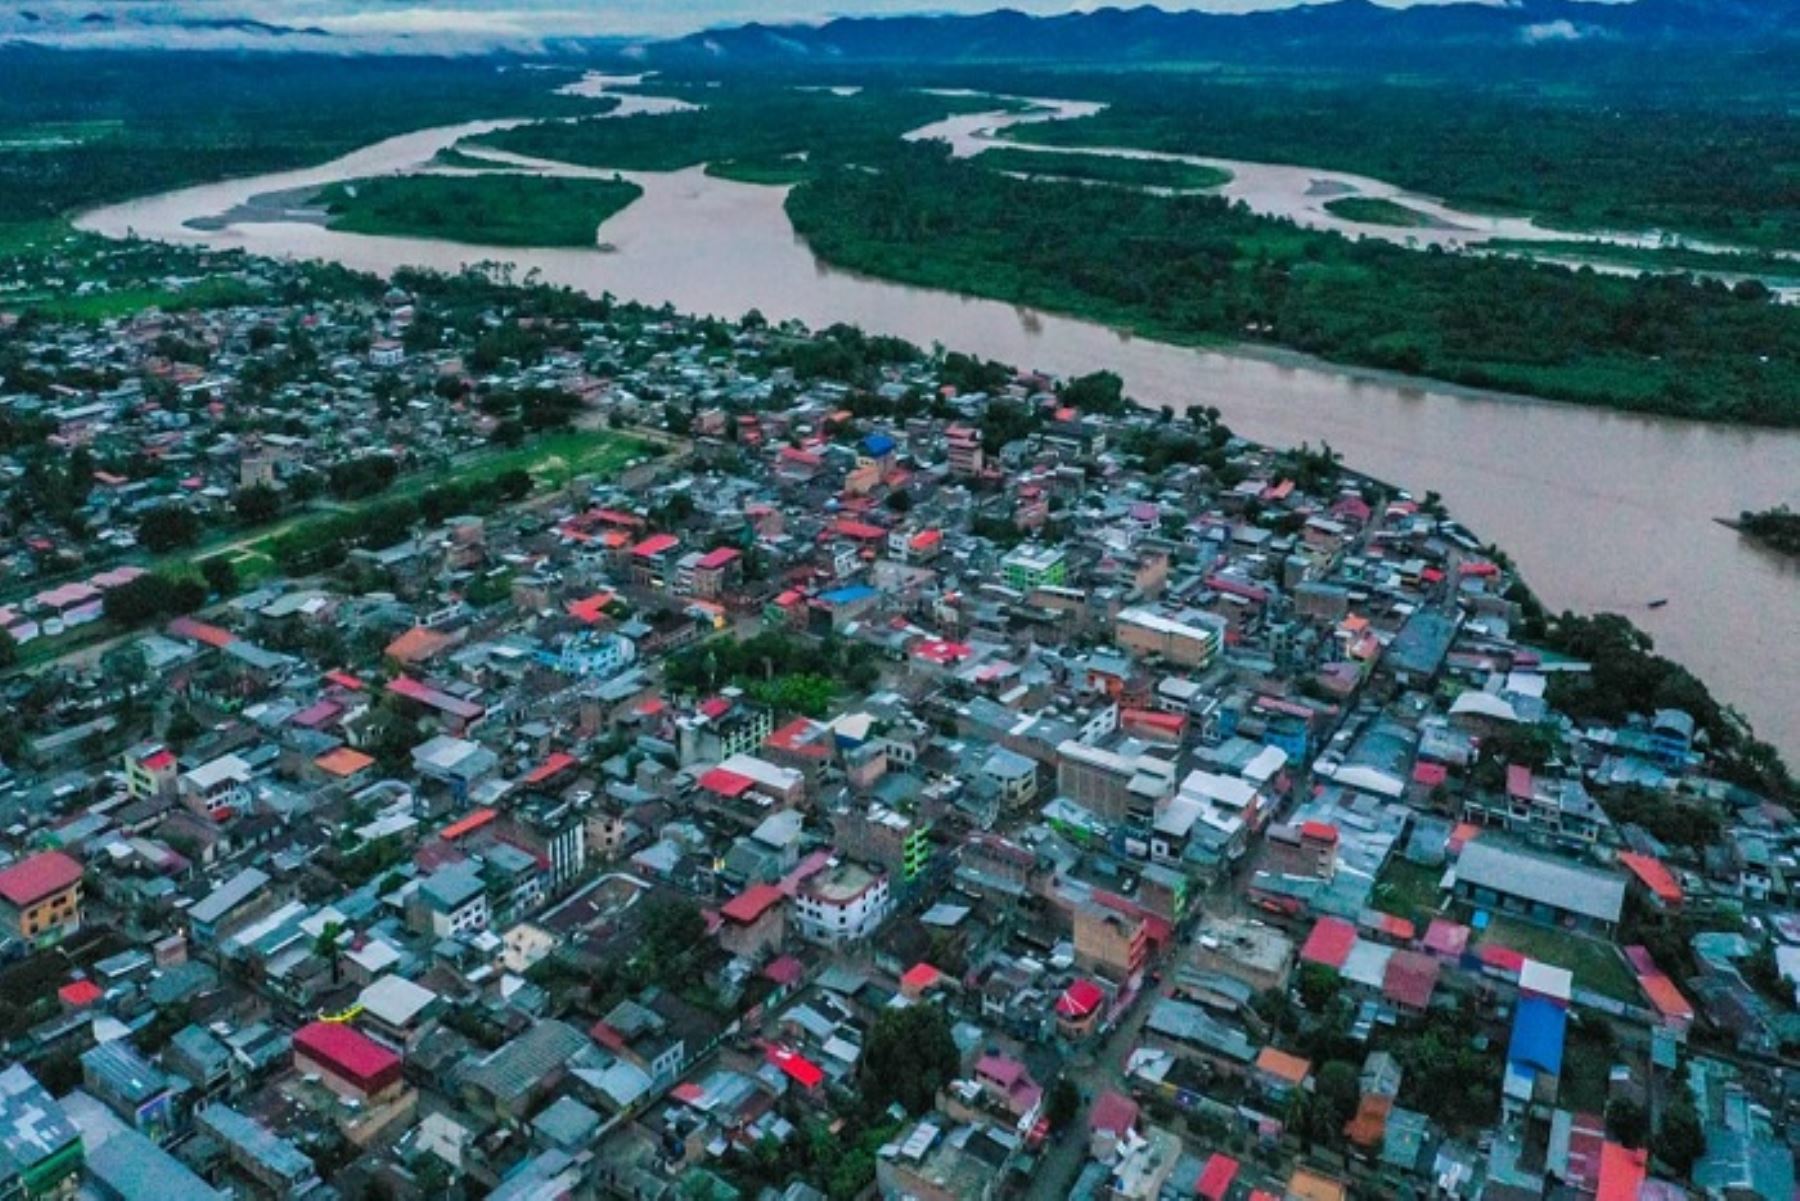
(1094, 1070)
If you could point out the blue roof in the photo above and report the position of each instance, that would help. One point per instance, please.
(878, 444)
(847, 595)
(1537, 1035)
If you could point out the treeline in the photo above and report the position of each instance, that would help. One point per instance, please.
(1778, 527)
(1197, 268)
(136, 124)
(324, 542)
(1628, 677)
(1573, 157)
(751, 130)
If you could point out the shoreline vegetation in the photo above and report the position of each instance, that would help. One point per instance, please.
(1104, 168)
(1375, 210)
(1582, 156)
(1777, 528)
(501, 209)
(1198, 270)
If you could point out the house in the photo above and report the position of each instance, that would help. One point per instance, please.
(218, 789)
(844, 902)
(40, 1148)
(40, 898)
(348, 1062)
(1492, 874)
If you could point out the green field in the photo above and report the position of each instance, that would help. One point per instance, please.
(491, 210)
(1372, 210)
(1409, 890)
(1597, 965)
(1106, 168)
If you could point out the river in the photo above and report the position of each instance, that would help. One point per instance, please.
(1602, 510)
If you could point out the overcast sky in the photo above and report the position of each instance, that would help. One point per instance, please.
(517, 22)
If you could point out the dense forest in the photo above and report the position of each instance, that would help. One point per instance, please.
(492, 210)
(1572, 158)
(750, 131)
(79, 129)
(1198, 268)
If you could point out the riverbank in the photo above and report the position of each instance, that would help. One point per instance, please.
(1602, 510)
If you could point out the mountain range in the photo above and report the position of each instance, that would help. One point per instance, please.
(1150, 34)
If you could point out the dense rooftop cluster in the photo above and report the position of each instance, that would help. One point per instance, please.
(719, 760)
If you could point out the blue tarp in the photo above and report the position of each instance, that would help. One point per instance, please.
(1537, 1035)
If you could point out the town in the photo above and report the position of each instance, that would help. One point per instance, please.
(466, 739)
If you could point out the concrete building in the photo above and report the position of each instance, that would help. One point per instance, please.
(40, 898)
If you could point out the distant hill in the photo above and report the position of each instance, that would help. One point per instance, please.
(1149, 34)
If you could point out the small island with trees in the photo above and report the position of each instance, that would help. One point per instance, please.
(1778, 528)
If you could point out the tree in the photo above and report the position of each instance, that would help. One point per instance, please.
(1626, 1122)
(1681, 1140)
(152, 596)
(1318, 986)
(1336, 1094)
(168, 526)
(258, 504)
(219, 574)
(9, 650)
(1064, 1105)
(908, 1057)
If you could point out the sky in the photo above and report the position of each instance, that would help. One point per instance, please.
(478, 24)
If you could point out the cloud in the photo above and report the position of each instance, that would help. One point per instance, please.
(1552, 31)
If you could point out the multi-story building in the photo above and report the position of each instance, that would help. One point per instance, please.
(150, 771)
(1190, 639)
(40, 898)
(1034, 566)
(1117, 945)
(963, 444)
(218, 788)
(1120, 784)
(842, 903)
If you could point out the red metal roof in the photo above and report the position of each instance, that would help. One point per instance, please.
(920, 976)
(712, 560)
(1080, 999)
(1217, 1176)
(31, 880)
(468, 824)
(347, 1052)
(80, 993)
(751, 904)
(1410, 979)
(558, 762)
(1330, 942)
(656, 544)
(726, 783)
(1113, 1112)
(1622, 1173)
(797, 1067)
(1653, 875)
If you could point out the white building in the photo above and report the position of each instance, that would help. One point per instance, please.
(843, 903)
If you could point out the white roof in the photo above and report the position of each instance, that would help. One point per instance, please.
(225, 767)
(1228, 792)
(762, 772)
(1556, 983)
(395, 1000)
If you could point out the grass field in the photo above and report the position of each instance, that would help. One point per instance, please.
(491, 210)
(1370, 210)
(1106, 168)
(1597, 965)
(1409, 890)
